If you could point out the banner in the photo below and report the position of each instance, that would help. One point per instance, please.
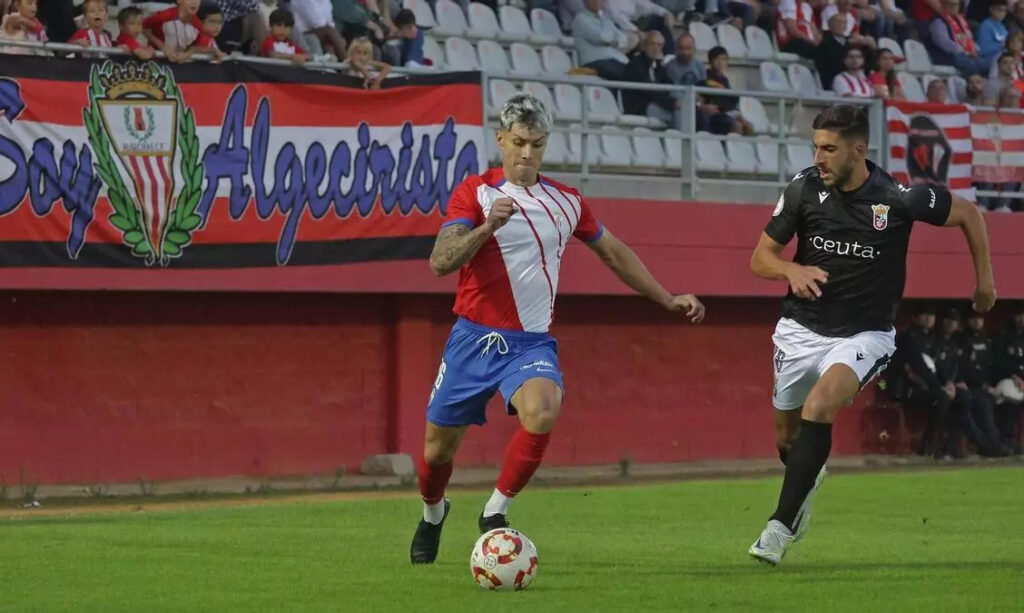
(124, 165)
(998, 141)
(930, 143)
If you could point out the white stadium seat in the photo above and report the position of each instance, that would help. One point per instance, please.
(451, 21)
(616, 150)
(555, 60)
(798, 157)
(492, 57)
(673, 149)
(648, 149)
(557, 151)
(773, 78)
(958, 88)
(767, 158)
(803, 80)
(917, 56)
(731, 38)
(741, 155)
(911, 87)
(515, 26)
(546, 28)
(759, 44)
(500, 91)
(461, 54)
(601, 105)
(421, 9)
(576, 146)
(753, 111)
(710, 154)
(703, 36)
(432, 51)
(525, 60)
(542, 92)
(483, 23)
(569, 101)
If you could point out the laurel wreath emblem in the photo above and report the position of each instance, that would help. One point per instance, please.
(150, 125)
(125, 217)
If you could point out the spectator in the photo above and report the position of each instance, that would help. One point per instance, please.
(1010, 97)
(739, 13)
(851, 23)
(937, 92)
(599, 43)
(643, 16)
(174, 30)
(992, 32)
(976, 355)
(952, 41)
(315, 19)
(22, 25)
(974, 93)
(1005, 77)
(851, 83)
(923, 12)
(891, 21)
(1016, 21)
(245, 26)
(1009, 372)
(685, 68)
(795, 31)
(410, 37)
(646, 66)
(1015, 47)
(830, 54)
(129, 23)
(567, 11)
(213, 21)
(93, 34)
(728, 118)
(362, 64)
(883, 79)
(677, 7)
(279, 43)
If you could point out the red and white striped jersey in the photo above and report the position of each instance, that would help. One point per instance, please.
(511, 281)
(177, 35)
(853, 85)
(95, 38)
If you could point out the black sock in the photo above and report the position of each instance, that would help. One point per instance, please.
(783, 454)
(805, 459)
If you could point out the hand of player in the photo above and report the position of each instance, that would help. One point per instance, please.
(984, 299)
(689, 305)
(501, 210)
(950, 390)
(804, 281)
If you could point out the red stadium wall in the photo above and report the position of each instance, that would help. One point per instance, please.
(114, 386)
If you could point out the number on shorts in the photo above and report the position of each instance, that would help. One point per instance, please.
(440, 375)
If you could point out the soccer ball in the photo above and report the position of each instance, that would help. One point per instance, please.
(503, 559)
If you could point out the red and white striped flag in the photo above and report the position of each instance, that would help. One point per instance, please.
(931, 143)
(998, 139)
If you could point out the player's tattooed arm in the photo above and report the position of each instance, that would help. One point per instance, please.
(456, 245)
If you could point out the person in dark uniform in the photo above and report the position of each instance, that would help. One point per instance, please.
(852, 222)
(976, 377)
(1010, 376)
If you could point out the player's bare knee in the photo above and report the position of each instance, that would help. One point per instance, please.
(538, 415)
(438, 452)
(821, 408)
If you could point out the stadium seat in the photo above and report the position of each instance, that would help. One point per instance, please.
(433, 51)
(768, 158)
(492, 57)
(601, 105)
(648, 149)
(892, 45)
(542, 93)
(703, 36)
(773, 78)
(616, 150)
(753, 111)
(759, 44)
(483, 23)
(500, 91)
(525, 60)
(917, 56)
(798, 157)
(958, 88)
(546, 28)
(741, 155)
(673, 149)
(421, 9)
(803, 80)
(557, 151)
(576, 146)
(555, 60)
(515, 26)
(451, 21)
(710, 154)
(731, 38)
(569, 101)
(911, 87)
(461, 54)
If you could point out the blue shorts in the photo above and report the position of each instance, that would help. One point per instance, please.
(479, 361)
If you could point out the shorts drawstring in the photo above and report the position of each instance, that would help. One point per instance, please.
(496, 339)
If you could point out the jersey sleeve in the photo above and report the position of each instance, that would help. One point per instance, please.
(268, 46)
(79, 35)
(927, 203)
(786, 217)
(463, 207)
(123, 40)
(589, 229)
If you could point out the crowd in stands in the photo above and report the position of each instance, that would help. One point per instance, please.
(969, 383)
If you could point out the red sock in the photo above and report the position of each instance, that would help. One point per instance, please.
(433, 480)
(522, 457)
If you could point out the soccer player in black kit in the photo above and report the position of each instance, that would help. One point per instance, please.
(852, 222)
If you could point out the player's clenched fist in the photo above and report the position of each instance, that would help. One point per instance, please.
(689, 305)
(501, 210)
(984, 299)
(805, 279)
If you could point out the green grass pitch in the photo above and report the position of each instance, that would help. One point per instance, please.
(944, 540)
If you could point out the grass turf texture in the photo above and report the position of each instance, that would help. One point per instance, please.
(936, 541)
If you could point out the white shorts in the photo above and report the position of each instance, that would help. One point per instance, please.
(802, 356)
(310, 14)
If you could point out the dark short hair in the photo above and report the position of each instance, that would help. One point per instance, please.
(924, 308)
(994, 3)
(717, 52)
(205, 10)
(848, 120)
(403, 18)
(282, 17)
(127, 13)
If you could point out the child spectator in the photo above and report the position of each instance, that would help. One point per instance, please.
(1015, 47)
(362, 64)
(129, 22)
(174, 30)
(992, 32)
(93, 35)
(718, 63)
(1005, 77)
(411, 38)
(852, 83)
(212, 20)
(279, 44)
(22, 25)
(883, 79)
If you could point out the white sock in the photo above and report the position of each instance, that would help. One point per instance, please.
(433, 513)
(497, 505)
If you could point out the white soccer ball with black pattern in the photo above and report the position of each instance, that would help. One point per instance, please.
(503, 559)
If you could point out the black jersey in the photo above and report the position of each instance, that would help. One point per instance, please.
(860, 239)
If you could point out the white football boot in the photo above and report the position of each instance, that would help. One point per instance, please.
(770, 547)
(803, 517)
